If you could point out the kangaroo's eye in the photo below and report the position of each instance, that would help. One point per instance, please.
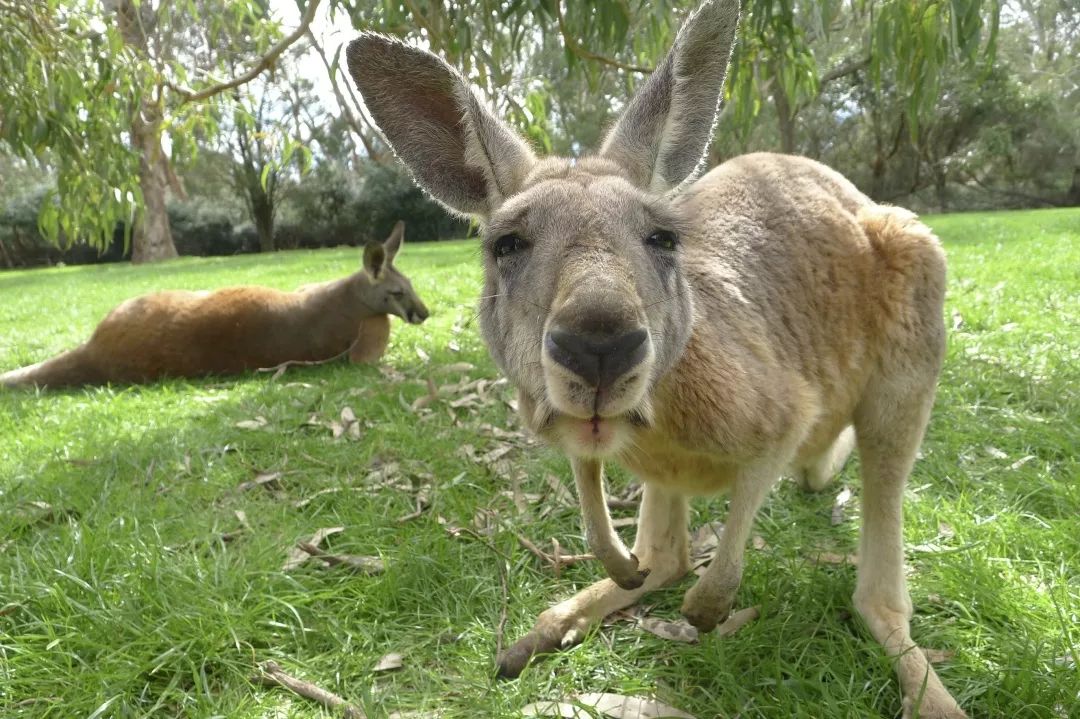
(507, 245)
(663, 239)
(396, 294)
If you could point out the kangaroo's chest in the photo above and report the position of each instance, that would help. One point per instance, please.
(659, 458)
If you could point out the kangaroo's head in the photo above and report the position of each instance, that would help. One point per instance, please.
(385, 290)
(585, 305)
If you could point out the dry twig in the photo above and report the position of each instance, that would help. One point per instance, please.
(271, 673)
(556, 561)
(367, 565)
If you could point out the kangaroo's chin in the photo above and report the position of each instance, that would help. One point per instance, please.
(595, 438)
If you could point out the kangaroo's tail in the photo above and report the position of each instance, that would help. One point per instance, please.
(70, 369)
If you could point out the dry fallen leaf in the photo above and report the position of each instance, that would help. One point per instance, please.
(758, 542)
(615, 706)
(268, 480)
(555, 709)
(301, 503)
(258, 423)
(834, 558)
(675, 631)
(995, 452)
(496, 454)
(838, 506)
(937, 656)
(362, 564)
(703, 541)
(298, 556)
(1021, 462)
(559, 491)
(456, 367)
(384, 474)
(389, 663)
(424, 356)
(737, 621)
(470, 400)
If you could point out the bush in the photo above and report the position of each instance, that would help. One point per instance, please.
(22, 245)
(200, 227)
(334, 206)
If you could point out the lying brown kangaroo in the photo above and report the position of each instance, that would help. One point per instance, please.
(708, 335)
(190, 334)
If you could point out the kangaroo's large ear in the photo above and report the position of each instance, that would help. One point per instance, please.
(454, 146)
(662, 136)
(393, 243)
(374, 259)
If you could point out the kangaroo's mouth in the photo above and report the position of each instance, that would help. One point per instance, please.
(597, 436)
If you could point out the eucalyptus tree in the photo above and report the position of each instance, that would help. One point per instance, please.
(67, 86)
(784, 56)
(185, 46)
(94, 87)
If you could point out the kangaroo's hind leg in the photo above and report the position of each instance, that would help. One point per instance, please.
(889, 426)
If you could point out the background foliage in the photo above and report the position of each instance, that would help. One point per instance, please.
(225, 126)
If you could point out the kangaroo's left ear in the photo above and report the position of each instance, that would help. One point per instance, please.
(374, 259)
(393, 243)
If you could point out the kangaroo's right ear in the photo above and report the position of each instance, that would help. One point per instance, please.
(393, 243)
(454, 146)
(374, 259)
(664, 132)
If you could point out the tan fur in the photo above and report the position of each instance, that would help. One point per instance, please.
(190, 334)
(759, 321)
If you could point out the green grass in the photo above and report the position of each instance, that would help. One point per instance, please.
(121, 599)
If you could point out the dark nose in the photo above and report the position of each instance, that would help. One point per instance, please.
(597, 359)
(418, 314)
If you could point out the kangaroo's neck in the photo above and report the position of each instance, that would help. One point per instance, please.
(326, 317)
(344, 298)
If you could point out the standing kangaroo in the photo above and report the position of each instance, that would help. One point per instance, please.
(707, 335)
(190, 334)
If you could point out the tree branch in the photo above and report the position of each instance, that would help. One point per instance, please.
(340, 97)
(271, 673)
(189, 95)
(972, 177)
(573, 46)
(842, 70)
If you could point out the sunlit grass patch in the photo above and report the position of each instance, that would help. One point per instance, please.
(137, 575)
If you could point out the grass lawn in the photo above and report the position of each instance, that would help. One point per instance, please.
(139, 578)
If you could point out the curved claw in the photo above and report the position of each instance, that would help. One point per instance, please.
(624, 571)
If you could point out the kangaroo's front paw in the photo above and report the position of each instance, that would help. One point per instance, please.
(626, 573)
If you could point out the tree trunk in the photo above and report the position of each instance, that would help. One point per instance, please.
(941, 188)
(1072, 196)
(152, 239)
(786, 122)
(262, 212)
